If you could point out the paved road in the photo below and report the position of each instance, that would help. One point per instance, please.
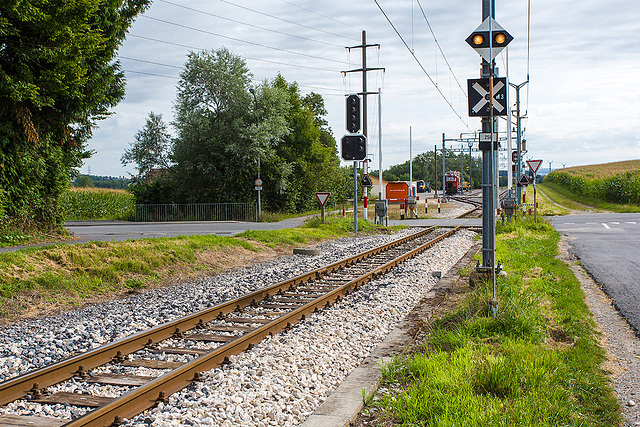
(608, 246)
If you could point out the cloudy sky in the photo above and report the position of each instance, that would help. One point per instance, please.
(582, 102)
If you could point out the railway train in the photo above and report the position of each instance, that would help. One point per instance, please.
(423, 187)
(452, 182)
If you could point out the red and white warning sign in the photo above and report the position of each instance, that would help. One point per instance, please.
(322, 198)
(534, 165)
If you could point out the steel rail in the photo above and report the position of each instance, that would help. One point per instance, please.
(34, 381)
(158, 390)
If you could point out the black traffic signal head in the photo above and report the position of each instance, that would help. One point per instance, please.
(353, 113)
(354, 147)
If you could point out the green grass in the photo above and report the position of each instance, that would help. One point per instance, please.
(579, 202)
(536, 363)
(68, 274)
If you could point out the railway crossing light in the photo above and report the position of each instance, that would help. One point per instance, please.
(353, 113)
(354, 147)
(489, 39)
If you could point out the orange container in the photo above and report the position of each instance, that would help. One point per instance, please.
(398, 190)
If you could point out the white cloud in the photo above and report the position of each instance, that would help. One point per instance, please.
(582, 100)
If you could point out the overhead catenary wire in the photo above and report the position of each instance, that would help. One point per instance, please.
(435, 39)
(319, 14)
(241, 40)
(284, 20)
(203, 49)
(421, 66)
(254, 80)
(248, 24)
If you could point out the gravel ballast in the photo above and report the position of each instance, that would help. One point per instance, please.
(282, 380)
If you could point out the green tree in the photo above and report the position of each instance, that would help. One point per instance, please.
(151, 149)
(221, 135)
(58, 76)
(85, 182)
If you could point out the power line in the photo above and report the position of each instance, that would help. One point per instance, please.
(254, 80)
(319, 14)
(151, 74)
(249, 25)
(284, 20)
(440, 48)
(421, 66)
(245, 57)
(239, 40)
(149, 62)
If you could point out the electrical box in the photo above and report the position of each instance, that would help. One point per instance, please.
(509, 205)
(381, 208)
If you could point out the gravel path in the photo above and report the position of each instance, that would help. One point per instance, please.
(282, 380)
(619, 339)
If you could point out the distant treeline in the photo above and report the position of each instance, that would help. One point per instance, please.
(98, 181)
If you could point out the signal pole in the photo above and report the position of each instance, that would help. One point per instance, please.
(518, 139)
(487, 99)
(364, 94)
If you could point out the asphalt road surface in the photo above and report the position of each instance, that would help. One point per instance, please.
(608, 246)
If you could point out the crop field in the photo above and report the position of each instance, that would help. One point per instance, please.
(603, 170)
(97, 203)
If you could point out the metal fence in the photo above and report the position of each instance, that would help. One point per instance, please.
(196, 212)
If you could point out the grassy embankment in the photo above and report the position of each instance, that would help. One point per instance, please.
(536, 363)
(56, 277)
(608, 187)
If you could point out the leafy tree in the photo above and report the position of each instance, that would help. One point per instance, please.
(228, 131)
(221, 135)
(85, 181)
(151, 148)
(57, 78)
(309, 148)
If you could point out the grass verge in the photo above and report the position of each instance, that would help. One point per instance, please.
(536, 363)
(53, 278)
(574, 201)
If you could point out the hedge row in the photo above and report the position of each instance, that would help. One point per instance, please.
(621, 188)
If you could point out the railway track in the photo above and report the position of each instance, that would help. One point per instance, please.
(204, 340)
(474, 199)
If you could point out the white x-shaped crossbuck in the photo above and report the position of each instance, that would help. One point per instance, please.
(485, 97)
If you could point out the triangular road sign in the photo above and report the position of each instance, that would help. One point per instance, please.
(534, 165)
(366, 181)
(322, 198)
(523, 180)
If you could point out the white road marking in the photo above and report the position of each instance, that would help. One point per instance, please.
(606, 226)
(630, 222)
(616, 223)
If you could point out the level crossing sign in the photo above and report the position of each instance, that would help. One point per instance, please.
(523, 181)
(534, 165)
(366, 181)
(480, 97)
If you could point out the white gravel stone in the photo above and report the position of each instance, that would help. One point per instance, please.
(280, 382)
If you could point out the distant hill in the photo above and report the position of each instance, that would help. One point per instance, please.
(603, 170)
(107, 181)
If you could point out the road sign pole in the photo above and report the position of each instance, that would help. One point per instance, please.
(535, 201)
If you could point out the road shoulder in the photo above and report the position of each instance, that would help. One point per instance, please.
(617, 337)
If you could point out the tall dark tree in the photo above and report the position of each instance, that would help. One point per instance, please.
(58, 76)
